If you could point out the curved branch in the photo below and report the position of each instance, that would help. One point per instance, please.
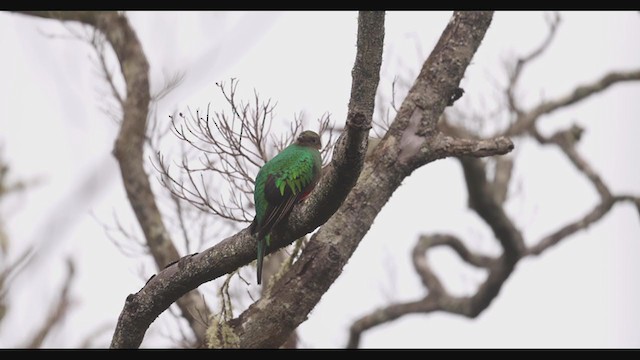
(566, 140)
(520, 64)
(477, 260)
(420, 263)
(483, 201)
(437, 298)
(591, 217)
(388, 314)
(526, 121)
(129, 145)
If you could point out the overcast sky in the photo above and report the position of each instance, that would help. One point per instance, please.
(582, 293)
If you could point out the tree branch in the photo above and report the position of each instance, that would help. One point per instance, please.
(566, 141)
(487, 199)
(387, 314)
(267, 322)
(437, 298)
(477, 260)
(467, 147)
(400, 152)
(129, 145)
(483, 200)
(522, 62)
(524, 122)
(190, 271)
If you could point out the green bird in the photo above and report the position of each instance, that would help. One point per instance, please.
(282, 182)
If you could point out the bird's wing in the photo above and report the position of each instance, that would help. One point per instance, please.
(279, 205)
(283, 190)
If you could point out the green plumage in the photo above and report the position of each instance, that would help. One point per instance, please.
(281, 183)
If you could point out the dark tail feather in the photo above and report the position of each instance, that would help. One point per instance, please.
(260, 258)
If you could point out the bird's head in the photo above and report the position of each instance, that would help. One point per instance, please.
(309, 138)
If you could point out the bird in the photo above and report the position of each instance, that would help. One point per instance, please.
(285, 180)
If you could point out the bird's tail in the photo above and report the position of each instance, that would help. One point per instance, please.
(262, 243)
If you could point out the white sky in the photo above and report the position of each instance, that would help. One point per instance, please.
(582, 293)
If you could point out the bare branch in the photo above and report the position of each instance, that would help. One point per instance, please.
(566, 140)
(86, 17)
(483, 201)
(467, 147)
(230, 147)
(487, 198)
(421, 265)
(437, 298)
(129, 146)
(502, 176)
(387, 314)
(524, 122)
(520, 64)
(98, 42)
(477, 260)
(591, 217)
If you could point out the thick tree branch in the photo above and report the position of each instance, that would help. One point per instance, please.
(129, 145)
(343, 172)
(483, 202)
(268, 321)
(449, 146)
(415, 126)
